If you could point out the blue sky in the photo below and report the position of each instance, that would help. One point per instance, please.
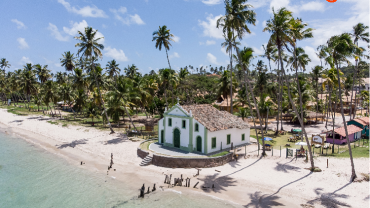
(40, 31)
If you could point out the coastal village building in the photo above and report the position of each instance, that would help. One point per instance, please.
(354, 133)
(362, 123)
(201, 128)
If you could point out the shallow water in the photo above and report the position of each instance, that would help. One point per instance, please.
(33, 177)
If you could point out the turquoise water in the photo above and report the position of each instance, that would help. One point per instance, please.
(33, 177)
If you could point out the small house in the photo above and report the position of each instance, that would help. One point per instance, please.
(201, 128)
(363, 123)
(354, 133)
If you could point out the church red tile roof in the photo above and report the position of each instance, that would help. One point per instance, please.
(213, 119)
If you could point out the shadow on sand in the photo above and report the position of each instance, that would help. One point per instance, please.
(220, 183)
(263, 201)
(72, 144)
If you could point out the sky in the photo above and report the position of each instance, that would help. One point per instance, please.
(40, 31)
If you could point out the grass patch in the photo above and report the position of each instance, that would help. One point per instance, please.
(357, 152)
(277, 140)
(145, 145)
(65, 125)
(219, 154)
(53, 122)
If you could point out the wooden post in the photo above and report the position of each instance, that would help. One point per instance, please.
(196, 184)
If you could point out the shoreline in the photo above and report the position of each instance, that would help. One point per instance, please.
(251, 181)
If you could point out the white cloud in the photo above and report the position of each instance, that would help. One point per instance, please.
(22, 43)
(210, 42)
(118, 55)
(258, 3)
(258, 51)
(313, 6)
(136, 19)
(209, 27)
(86, 11)
(312, 55)
(264, 23)
(56, 34)
(80, 26)
(223, 50)
(129, 19)
(25, 60)
(212, 2)
(174, 55)
(309, 6)
(176, 38)
(324, 29)
(20, 25)
(212, 59)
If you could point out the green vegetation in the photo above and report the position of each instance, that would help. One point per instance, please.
(219, 154)
(53, 122)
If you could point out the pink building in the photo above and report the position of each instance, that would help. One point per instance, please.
(354, 133)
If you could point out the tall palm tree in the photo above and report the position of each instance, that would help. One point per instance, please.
(42, 72)
(224, 84)
(342, 47)
(167, 79)
(68, 61)
(359, 33)
(113, 69)
(89, 46)
(229, 43)
(316, 72)
(4, 64)
(237, 16)
(162, 38)
(280, 28)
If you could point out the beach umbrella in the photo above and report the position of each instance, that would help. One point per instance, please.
(301, 143)
(267, 139)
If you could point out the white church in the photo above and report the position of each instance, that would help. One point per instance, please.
(201, 128)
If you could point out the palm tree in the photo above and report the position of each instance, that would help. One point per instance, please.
(224, 84)
(342, 47)
(280, 28)
(27, 81)
(162, 37)
(113, 69)
(234, 24)
(167, 78)
(89, 46)
(68, 61)
(229, 43)
(42, 72)
(4, 64)
(359, 33)
(316, 72)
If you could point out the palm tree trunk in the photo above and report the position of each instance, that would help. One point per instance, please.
(255, 104)
(278, 99)
(131, 120)
(101, 100)
(353, 176)
(294, 107)
(231, 79)
(281, 99)
(168, 59)
(353, 84)
(317, 98)
(332, 114)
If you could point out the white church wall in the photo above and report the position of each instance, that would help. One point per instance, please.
(221, 136)
(199, 133)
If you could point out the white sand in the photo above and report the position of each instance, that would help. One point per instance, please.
(267, 182)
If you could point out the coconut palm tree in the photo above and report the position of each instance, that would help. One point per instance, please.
(359, 33)
(90, 46)
(113, 69)
(229, 43)
(235, 24)
(68, 61)
(4, 64)
(42, 72)
(341, 47)
(316, 72)
(28, 82)
(280, 28)
(162, 38)
(224, 84)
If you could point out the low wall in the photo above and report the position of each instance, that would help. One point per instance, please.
(141, 153)
(176, 162)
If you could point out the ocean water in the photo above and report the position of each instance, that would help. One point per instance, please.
(33, 177)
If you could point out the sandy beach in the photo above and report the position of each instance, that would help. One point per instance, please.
(252, 182)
